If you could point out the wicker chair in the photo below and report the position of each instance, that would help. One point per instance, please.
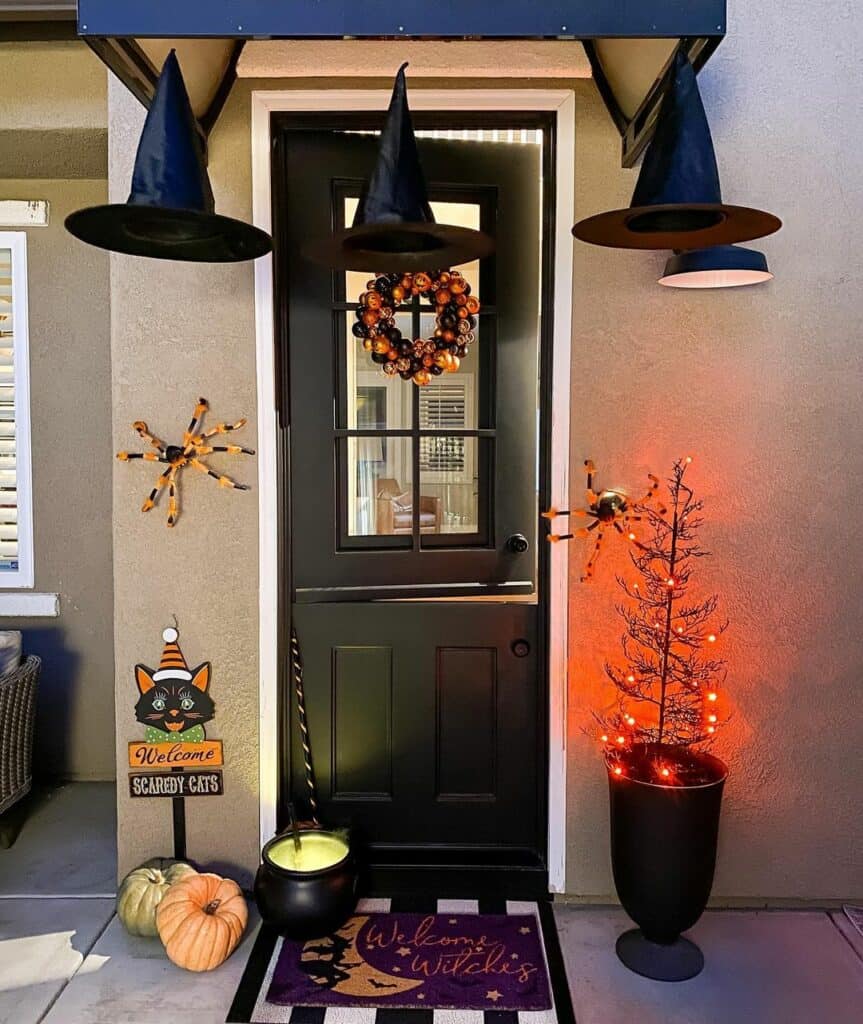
(17, 713)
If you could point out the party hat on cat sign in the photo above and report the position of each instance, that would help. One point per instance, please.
(173, 664)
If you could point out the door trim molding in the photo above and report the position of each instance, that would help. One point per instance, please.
(561, 102)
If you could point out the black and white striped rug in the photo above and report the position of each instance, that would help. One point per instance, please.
(251, 1006)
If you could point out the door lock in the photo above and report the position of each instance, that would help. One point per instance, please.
(517, 544)
(520, 648)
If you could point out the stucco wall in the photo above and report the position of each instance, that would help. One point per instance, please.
(761, 385)
(53, 120)
(51, 86)
(70, 402)
(180, 330)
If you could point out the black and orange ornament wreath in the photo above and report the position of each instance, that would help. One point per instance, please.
(190, 453)
(423, 358)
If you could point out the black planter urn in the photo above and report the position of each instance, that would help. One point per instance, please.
(310, 891)
(663, 854)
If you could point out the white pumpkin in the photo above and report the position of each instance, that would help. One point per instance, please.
(141, 892)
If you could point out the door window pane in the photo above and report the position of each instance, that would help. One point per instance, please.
(441, 399)
(379, 486)
(392, 408)
(449, 480)
(465, 215)
(462, 215)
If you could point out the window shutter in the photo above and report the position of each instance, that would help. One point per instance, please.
(8, 470)
(443, 407)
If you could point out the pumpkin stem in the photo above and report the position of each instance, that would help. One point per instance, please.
(212, 907)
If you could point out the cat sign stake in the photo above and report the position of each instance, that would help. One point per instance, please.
(175, 759)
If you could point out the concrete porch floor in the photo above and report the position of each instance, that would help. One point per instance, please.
(65, 959)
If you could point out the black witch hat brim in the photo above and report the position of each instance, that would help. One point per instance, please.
(168, 233)
(408, 246)
(170, 213)
(676, 226)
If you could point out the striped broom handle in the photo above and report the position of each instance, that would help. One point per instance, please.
(297, 667)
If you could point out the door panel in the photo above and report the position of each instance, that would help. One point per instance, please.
(423, 720)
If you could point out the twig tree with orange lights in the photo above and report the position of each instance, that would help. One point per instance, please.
(667, 688)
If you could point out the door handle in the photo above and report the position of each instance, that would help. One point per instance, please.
(517, 544)
(520, 648)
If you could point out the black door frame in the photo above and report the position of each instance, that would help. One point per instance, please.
(372, 120)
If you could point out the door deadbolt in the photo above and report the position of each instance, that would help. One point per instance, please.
(520, 648)
(517, 544)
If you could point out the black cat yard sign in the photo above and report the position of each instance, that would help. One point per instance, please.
(175, 758)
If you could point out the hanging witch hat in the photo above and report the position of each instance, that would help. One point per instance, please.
(677, 203)
(394, 227)
(170, 213)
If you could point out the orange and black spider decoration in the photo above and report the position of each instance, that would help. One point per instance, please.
(177, 457)
(606, 508)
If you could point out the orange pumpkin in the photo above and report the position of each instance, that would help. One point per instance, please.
(201, 919)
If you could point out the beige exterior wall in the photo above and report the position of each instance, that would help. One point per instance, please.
(53, 117)
(761, 385)
(180, 330)
(70, 406)
(71, 436)
(51, 87)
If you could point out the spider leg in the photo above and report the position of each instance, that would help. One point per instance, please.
(590, 469)
(223, 481)
(173, 503)
(154, 494)
(146, 456)
(144, 433)
(195, 422)
(233, 449)
(582, 531)
(652, 491)
(597, 548)
(220, 428)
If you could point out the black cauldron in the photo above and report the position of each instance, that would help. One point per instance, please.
(298, 898)
(663, 854)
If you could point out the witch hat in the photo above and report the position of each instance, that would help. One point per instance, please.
(394, 227)
(170, 213)
(677, 203)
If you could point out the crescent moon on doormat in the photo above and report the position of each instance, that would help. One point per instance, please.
(363, 979)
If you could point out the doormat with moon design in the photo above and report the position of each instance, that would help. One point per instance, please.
(413, 961)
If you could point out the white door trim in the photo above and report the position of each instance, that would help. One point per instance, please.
(562, 103)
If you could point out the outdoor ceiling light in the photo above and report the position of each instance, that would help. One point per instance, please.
(720, 266)
(677, 203)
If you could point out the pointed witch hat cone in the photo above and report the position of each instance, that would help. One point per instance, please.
(677, 203)
(394, 227)
(170, 213)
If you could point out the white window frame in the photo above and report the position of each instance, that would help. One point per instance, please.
(23, 576)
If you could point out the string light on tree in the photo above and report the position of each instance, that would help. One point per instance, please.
(666, 669)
